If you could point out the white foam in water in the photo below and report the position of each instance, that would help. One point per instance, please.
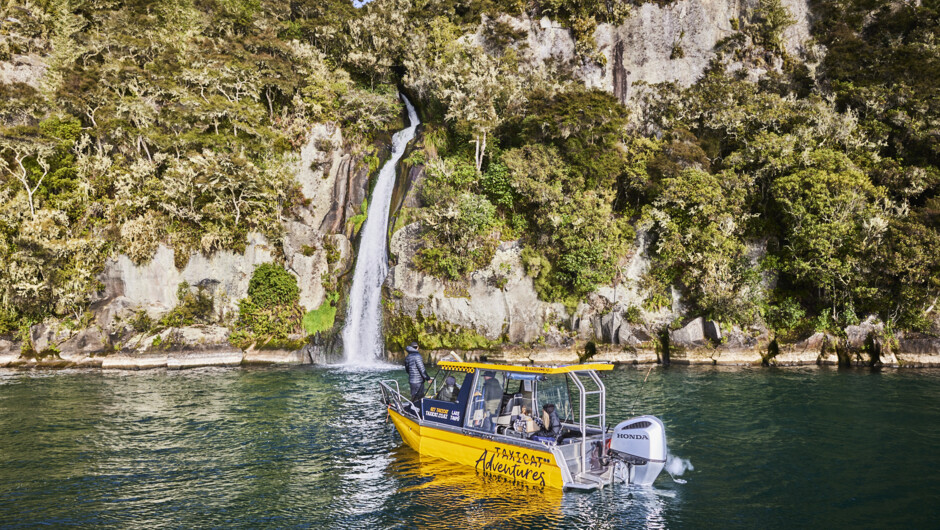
(363, 344)
(676, 467)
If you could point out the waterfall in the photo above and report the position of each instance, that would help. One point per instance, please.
(363, 343)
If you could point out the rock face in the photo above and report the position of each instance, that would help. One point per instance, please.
(703, 342)
(152, 286)
(676, 42)
(477, 304)
(26, 69)
(311, 254)
(915, 349)
(324, 169)
(807, 351)
(658, 43)
(692, 335)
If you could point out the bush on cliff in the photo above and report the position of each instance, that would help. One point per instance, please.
(270, 313)
(193, 307)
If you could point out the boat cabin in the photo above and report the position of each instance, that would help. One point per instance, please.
(533, 402)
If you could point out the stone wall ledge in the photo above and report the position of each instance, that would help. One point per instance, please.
(177, 360)
(277, 357)
(183, 359)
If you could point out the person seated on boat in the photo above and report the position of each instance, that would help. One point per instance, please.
(551, 425)
(525, 423)
(450, 390)
(417, 375)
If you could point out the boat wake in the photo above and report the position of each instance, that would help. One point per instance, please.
(676, 467)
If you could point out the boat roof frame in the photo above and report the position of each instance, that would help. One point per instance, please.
(534, 369)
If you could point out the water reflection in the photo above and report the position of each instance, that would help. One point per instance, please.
(310, 447)
(469, 499)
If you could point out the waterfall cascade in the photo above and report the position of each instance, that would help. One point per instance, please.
(363, 344)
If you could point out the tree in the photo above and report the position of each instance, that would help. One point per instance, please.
(698, 224)
(828, 224)
(28, 161)
(475, 88)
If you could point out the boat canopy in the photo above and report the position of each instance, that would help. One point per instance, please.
(470, 367)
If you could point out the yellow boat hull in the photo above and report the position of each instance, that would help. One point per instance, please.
(505, 461)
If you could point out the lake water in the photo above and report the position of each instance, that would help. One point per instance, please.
(309, 447)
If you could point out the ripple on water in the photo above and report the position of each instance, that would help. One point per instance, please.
(310, 447)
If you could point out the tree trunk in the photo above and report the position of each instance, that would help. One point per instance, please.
(480, 150)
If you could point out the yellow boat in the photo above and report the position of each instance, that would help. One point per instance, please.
(517, 424)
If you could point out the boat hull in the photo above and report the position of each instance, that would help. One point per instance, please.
(513, 463)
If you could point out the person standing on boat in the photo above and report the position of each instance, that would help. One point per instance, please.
(417, 375)
(492, 393)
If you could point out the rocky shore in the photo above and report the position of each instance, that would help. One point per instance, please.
(699, 342)
(172, 349)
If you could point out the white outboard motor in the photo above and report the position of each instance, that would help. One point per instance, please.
(641, 444)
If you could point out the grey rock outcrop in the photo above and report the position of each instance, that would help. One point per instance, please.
(9, 352)
(644, 48)
(152, 286)
(703, 342)
(47, 336)
(916, 349)
(712, 330)
(476, 304)
(306, 258)
(26, 69)
(818, 348)
(634, 335)
(610, 327)
(670, 42)
(691, 335)
(89, 341)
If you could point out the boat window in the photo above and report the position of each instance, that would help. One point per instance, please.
(487, 400)
(447, 405)
(444, 393)
(554, 390)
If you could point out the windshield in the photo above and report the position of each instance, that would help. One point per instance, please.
(554, 390)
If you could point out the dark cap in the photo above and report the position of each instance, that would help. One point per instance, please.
(450, 380)
(489, 373)
(413, 345)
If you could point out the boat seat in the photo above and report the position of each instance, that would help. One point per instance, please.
(506, 419)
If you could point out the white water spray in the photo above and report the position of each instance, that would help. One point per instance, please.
(676, 467)
(363, 344)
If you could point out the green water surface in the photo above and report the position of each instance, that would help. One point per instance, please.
(309, 447)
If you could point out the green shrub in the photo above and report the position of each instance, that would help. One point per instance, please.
(191, 308)
(272, 286)
(271, 311)
(633, 315)
(332, 253)
(141, 322)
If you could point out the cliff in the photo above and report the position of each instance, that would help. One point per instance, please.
(695, 181)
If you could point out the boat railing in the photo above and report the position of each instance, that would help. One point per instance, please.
(583, 416)
(391, 397)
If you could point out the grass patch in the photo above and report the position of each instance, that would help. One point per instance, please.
(322, 318)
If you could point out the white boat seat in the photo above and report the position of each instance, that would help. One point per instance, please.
(503, 420)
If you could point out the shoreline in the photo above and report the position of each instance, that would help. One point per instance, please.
(233, 357)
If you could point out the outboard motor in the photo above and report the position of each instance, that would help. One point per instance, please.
(641, 444)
